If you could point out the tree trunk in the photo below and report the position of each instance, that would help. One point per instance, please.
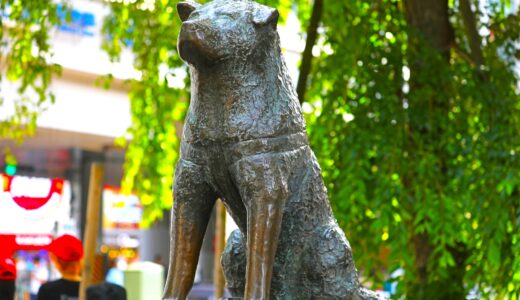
(312, 36)
(430, 39)
(422, 251)
(430, 19)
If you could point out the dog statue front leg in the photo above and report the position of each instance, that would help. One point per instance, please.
(193, 202)
(263, 189)
(264, 217)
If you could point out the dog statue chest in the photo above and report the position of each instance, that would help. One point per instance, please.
(228, 112)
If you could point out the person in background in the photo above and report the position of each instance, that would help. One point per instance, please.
(106, 291)
(39, 275)
(66, 253)
(7, 279)
(159, 260)
(115, 274)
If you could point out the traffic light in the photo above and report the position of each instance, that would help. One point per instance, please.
(10, 169)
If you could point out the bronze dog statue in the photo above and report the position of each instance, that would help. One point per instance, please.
(245, 142)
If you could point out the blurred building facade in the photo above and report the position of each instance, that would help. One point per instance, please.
(79, 129)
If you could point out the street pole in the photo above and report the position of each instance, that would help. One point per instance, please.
(91, 227)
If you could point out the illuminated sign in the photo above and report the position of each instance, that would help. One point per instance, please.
(32, 193)
(120, 211)
(121, 240)
(12, 242)
(28, 240)
(33, 205)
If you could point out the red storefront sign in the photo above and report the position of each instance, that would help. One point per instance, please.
(29, 210)
(9, 243)
(30, 201)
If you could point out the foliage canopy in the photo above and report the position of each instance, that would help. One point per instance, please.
(419, 147)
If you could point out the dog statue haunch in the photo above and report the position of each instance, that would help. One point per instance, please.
(245, 142)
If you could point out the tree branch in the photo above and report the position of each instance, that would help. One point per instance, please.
(470, 24)
(312, 35)
(463, 54)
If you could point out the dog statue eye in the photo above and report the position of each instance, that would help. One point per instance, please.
(193, 15)
(228, 16)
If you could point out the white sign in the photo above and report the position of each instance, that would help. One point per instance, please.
(32, 205)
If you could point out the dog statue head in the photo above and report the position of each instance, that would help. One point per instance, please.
(224, 30)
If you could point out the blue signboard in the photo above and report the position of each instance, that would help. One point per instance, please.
(81, 22)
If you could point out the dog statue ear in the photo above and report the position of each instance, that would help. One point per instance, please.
(266, 16)
(186, 8)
